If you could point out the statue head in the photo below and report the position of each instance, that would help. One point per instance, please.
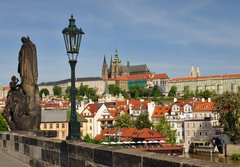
(25, 39)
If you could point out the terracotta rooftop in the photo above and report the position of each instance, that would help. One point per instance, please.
(160, 111)
(146, 76)
(205, 77)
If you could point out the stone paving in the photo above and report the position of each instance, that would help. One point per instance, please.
(8, 161)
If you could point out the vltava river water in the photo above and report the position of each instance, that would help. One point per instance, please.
(214, 158)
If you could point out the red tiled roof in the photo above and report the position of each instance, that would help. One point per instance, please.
(203, 106)
(159, 111)
(205, 77)
(146, 76)
(93, 108)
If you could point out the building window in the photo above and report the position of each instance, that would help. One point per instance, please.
(206, 133)
(188, 133)
(45, 126)
(57, 125)
(90, 127)
(63, 125)
(200, 124)
(91, 120)
(178, 133)
(200, 133)
(63, 134)
(188, 125)
(51, 125)
(194, 133)
(194, 125)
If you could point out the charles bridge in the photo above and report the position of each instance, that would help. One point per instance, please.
(39, 151)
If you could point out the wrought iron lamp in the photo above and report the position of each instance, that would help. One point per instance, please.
(72, 38)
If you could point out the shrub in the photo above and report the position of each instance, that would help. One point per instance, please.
(235, 156)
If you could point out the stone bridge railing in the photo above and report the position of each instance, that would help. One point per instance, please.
(41, 152)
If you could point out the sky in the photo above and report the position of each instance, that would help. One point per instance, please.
(168, 36)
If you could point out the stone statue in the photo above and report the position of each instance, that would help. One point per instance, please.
(22, 110)
(27, 68)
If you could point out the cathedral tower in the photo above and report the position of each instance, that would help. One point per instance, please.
(115, 66)
(104, 69)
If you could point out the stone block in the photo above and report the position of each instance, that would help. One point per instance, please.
(73, 162)
(103, 155)
(35, 152)
(16, 147)
(64, 154)
(128, 157)
(72, 150)
(7, 137)
(55, 158)
(26, 149)
(16, 138)
(85, 151)
(4, 143)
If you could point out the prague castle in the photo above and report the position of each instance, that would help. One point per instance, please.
(216, 83)
(116, 69)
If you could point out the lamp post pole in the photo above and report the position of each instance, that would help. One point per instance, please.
(72, 38)
(74, 125)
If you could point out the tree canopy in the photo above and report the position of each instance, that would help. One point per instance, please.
(172, 91)
(57, 91)
(228, 108)
(124, 121)
(3, 124)
(143, 121)
(164, 128)
(45, 91)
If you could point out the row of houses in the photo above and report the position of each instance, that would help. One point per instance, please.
(193, 120)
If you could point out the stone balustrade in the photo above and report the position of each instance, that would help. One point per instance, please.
(40, 152)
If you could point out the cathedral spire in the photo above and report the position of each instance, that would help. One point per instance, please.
(104, 61)
(104, 69)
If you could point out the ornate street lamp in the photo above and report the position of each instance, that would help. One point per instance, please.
(72, 38)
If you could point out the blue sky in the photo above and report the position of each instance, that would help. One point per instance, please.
(168, 36)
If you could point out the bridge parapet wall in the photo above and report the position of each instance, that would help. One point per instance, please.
(41, 152)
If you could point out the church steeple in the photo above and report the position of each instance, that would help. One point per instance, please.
(104, 69)
(192, 72)
(197, 72)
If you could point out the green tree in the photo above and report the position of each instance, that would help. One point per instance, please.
(186, 92)
(3, 124)
(164, 128)
(57, 91)
(68, 92)
(88, 139)
(146, 92)
(155, 91)
(172, 91)
(113, 89)
(143, 121)
(228, 107)
(206, 94)
(124, 121)
(45, 91)
(136, 91)
(83, 90)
